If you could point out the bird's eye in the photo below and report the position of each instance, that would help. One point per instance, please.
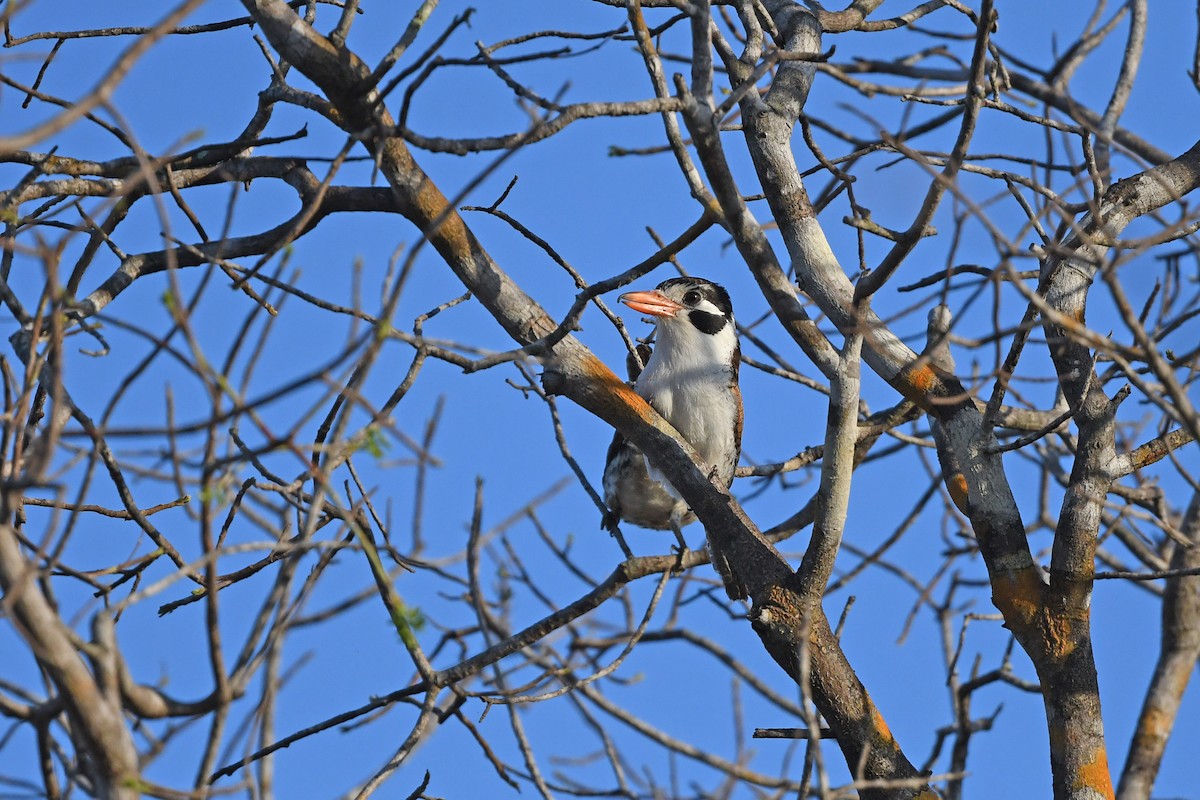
(691, 298)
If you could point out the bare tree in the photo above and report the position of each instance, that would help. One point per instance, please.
(234, 425)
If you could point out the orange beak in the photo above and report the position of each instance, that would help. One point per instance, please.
(655, 303)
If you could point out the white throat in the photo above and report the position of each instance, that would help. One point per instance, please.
(682, 353)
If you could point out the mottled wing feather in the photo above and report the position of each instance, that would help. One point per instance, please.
(613, 515)
(739, 422)
(631, 365)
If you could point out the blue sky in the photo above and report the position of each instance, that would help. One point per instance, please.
(594, 210)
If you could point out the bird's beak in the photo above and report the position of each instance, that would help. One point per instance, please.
(653, 303)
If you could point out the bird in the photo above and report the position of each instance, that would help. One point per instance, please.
(690, 378)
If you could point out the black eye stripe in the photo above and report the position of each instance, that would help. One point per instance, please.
(706, 322)
(707, 290)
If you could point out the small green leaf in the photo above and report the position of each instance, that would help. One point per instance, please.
(374, 442)
(383, 329)
(413, 617)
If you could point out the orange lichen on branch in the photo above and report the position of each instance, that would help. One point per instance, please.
(425, 204)
(598, 372)
(638, 20)
(1071, 322)
(917, 382)
(1019, 596)
(881, 727)
(618, 391)
(434, 206)
(1082, 768)
(783, 603)
(956, 484)
(1061, 637)
(1156, 449)
(1154, 726)
(1093, 774)
(1150, 453)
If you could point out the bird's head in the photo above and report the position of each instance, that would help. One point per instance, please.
(694, 318)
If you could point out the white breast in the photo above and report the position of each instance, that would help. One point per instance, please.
(688, 382)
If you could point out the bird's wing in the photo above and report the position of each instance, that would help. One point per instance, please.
(631, 364)
(610, 519)
(739, 422)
